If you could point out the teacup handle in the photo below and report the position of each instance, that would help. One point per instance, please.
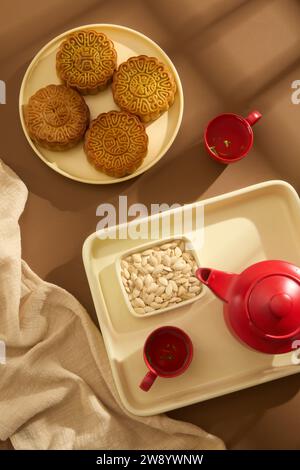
(253, 117)
(148, 381)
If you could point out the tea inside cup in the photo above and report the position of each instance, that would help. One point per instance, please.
(228, 137)
(168, 351)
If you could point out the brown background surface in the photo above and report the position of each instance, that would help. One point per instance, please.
(231, 55)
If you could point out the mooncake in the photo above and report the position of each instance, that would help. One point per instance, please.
(86, 61)
(56, 117)
(144, 86)
(116, 143)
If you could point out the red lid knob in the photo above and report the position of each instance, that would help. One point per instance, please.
(274, 306)
(281, 305)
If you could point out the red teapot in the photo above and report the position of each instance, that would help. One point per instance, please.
(262, 304)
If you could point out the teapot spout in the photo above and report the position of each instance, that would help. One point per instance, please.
(218, 281)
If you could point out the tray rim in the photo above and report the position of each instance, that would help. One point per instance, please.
(276, 373)
(53, 166)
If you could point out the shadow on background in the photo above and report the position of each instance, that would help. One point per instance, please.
(182, 178)
(240, 415)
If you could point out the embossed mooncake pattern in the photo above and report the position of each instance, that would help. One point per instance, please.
(116, 143)
(144, 86)
(56, 117)
(86, 60)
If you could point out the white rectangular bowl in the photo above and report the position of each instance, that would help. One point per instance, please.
(144, 247)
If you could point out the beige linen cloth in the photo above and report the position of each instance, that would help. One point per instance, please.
(56, 388)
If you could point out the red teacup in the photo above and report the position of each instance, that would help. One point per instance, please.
(229, 137)
(168, 352)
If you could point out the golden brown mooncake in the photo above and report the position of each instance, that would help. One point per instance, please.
(56, 117)
(144, 86)
(86, 61)
(116, 143)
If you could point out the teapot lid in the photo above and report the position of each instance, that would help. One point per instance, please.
(274, 306)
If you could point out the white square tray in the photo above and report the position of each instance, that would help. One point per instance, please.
(240, 228)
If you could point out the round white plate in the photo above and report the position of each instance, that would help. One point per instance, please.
(73, 163)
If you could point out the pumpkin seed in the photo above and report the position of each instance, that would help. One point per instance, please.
(138, 302)
(139, 283)
(139, 310)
